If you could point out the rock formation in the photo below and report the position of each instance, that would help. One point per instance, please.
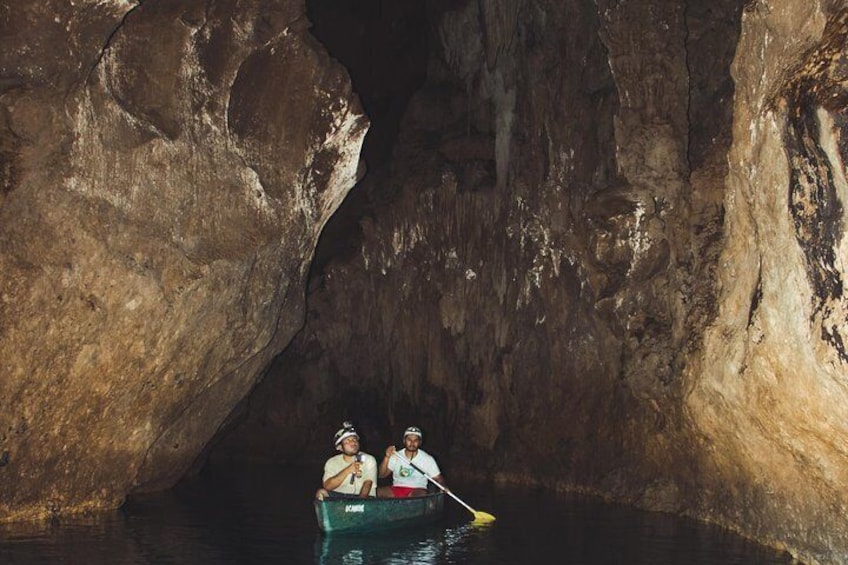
(603, 259)
(767, 397)
(166, 170)
(600, 247)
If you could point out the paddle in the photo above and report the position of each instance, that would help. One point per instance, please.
(479, 517)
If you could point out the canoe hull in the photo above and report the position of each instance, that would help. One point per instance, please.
(370, 514)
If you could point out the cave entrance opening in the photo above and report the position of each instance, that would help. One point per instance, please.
(383, 44)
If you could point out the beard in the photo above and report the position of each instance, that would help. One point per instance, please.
(347, 450)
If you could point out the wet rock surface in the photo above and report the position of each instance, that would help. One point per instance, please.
(166, 170)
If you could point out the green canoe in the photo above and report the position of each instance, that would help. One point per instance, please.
(368, 514)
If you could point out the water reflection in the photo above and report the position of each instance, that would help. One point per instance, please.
(78, 540)
(115, 538)
(435, 544)
(255, 516)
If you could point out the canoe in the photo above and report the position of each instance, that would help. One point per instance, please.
(370, 514)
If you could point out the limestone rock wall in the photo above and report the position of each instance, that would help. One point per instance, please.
(604, 259)
(537, 264)
(601, 259)
(166, 170)
(768, 397)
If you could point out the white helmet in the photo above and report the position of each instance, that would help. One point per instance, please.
(347, 431)
(412, 431)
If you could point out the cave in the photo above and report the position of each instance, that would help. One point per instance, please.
(597, 234)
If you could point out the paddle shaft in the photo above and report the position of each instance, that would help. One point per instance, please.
(434, 481)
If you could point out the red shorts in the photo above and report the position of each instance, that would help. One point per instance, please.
(402, 492)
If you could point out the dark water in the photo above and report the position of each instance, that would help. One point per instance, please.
(264, 516)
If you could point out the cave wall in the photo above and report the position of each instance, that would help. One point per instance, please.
(597, 245)
(768, 397)
(166, 170)
(604, 259)
(536, 265)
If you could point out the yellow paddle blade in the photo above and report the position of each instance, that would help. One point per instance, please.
(483, 518)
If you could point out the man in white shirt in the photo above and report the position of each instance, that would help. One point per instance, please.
(408, 467)
(351, 473)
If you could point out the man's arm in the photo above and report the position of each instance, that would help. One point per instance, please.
(336, 480)
(432, 468)
(365, 491)
(384, 464)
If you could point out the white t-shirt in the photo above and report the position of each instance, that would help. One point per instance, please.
(405, 476)
(369, 473)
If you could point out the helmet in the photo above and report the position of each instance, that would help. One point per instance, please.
(412, 431)
(347, 431)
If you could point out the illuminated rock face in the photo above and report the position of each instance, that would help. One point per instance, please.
(602, 258)
(166, 170)
(769, 394)
(594, 266)
(536, 268)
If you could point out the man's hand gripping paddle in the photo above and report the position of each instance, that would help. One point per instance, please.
(479, 517)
